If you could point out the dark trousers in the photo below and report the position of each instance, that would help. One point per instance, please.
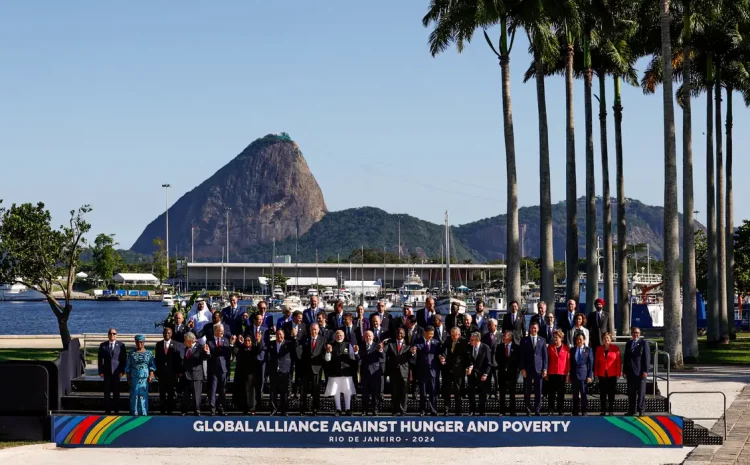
(636, 394)
(310, 384)
(111, 393)
(166, 394)
(279, 392)
(579, 395)
(259, 380)
(245, 389)
(398, 393)
(299, 370)
(428, 392)
(371, 392)
(218, 387)
(453, 385)
(508, 386)
(191, 388)
(532, 383)
(607, 388)
(555, 393)
(477, 385)
(494, 381)
(413, 381)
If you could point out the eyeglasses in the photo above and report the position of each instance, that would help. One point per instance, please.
(113, 334)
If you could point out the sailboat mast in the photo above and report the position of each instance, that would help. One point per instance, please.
(363, 274)
(447, 254)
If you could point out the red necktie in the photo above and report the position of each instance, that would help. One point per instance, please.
(399, 347)
(492, 337)
(166, 349)
(218, 343)
(313, 344)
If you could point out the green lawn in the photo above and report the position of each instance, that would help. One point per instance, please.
(736, 352)
(28, 354)
(9, 444)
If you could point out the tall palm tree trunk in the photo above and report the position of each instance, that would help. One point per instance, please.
(571, 243)
(512, 242)
(730, 221)
(712, 302)
(609, 285)
(689, 316)
(721, 276)
(623, 299)
(545, 195)
(592, 255)
(672, 314)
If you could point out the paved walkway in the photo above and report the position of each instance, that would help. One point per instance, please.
(736, 448)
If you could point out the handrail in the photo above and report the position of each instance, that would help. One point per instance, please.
(669, 366)
(654, 365)
(724, 416)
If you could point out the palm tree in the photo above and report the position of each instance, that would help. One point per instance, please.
(455, 22)
(568, 29)
(672, 320)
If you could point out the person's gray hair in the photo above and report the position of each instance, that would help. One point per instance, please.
(466, 315)
(456, 329)
(189, 336)
(476, 335)
(218, 327)
(370, 333)
(314, 325)
(286, 308)
(493, 320)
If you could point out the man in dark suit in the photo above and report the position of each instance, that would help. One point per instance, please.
(336, 319)
(400, 321)
(260, 335)
(508, 357)
(398, 355)
(581, 373)
(515, 322)
(311, 354)
(191, 373)
(540, 318)
(279, 367)
(385, 318)
(533, 368)
(493, 337)
(310, 315)
(481, 318)
(548, 327)
(598, 324)
(325, 331)
(111, 364)
(568, 322)
(167, 355)
(350, 332)
(377, 329)
(426, 358)
(478, 372)
(455, 359)
(219, 362)
(299, 328)
(179, 328)
(372, 360)
(635, 368)
(267, 317)
(424, 315)
(468, 327)
(455, 318)
(209, 331)
(442, 333)
(232, 316)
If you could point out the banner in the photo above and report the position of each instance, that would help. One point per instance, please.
(323, 432)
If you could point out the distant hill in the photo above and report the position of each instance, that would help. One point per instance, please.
(271, 193)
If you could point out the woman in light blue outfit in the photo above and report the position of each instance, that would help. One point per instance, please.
(139, 369)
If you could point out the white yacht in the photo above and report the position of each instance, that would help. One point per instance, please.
(19, 292)
(443, 305)
(293, 302)
(278, 293)
(327, 294)
(311, 292)
(413, 291)
(167, 300)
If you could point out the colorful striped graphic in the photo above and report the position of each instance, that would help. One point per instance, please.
(93, 429)
(652, 431)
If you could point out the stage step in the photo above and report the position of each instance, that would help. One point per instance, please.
(91, 401)
(696, 435)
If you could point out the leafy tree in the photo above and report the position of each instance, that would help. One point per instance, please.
(742, 257)
(104, 257)
(701, 262)
(37, 256)
(276, 279)
(159, 260)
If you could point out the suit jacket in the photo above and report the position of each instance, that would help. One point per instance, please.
(333, 321)
(386, 320)
(482, 362)
(280, 361)
(564, 322)
(456, 360)
(220, 358)
(482, 325)
(167, 364)
(543, 326)
(351, 337)
(384, 334)
(264, 341)
(309, 316)
(365, 324)
(178, 332)
(421, 315)
(312, 359)
(581, 367)
(547, 331)
(232, 318)
(518, 328)
(416, 336)
(192, 364)
(466, 332)
(283, 320)
(247, 359)
(326, 333)
(372, 361)
(638, 359)
(609, 364)
(268, 321)
(112, 364)
(265, 334)
(343, 360)
(397, 361)
(442, 335)
(428, 358)
(597, 327)
(508, 365)
(558, 362)
(208, 331)
(534, 359)
(301, 330)
(453, 320)
(492, 344)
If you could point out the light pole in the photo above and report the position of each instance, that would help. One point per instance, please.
(227, 209)
(166, 206)
(192, 244)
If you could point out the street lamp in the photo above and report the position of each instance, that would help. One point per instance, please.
(227, 209)
(166, 205)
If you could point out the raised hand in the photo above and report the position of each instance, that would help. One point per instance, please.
(356, 349)
(414, 350)
(294, 332)
(191, 324)
(233, 339)
(329, 349)
(241, 339)
(206, 349)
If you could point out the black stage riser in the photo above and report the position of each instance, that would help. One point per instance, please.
(695, 435)
(96, 403)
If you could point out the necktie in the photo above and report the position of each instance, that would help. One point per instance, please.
(533, 340)
(549, 333)
(218, 342)
(475, 351)
(492, 337)
(187, 353)
(166, 348)
(633, 346)
(399, 346)
(409, 336)
(111, 348)
(598, 318)
(453, 347)
(578, 356)
(507, 350)
(347, 333)
(313, 344)
(428, 346)
(513, 318)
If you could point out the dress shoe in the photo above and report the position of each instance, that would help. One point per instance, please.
(611, 413)
(364, 414)
(575, 414)
(274, 413)
(221, 413)
(315, 413)
(537, 414)
(348, 413)
(400, 414)
(375, 413)
(422, 413)
(445, 413)
(337, 413)
(211, 413)
(252, 413)
(302, 413)
(434, 413)
(183, 414)
(284, 414)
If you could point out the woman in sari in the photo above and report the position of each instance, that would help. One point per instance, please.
(139, 370)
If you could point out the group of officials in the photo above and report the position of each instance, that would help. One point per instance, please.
(416, 351)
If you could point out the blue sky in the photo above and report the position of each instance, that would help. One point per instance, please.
(104, 102)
